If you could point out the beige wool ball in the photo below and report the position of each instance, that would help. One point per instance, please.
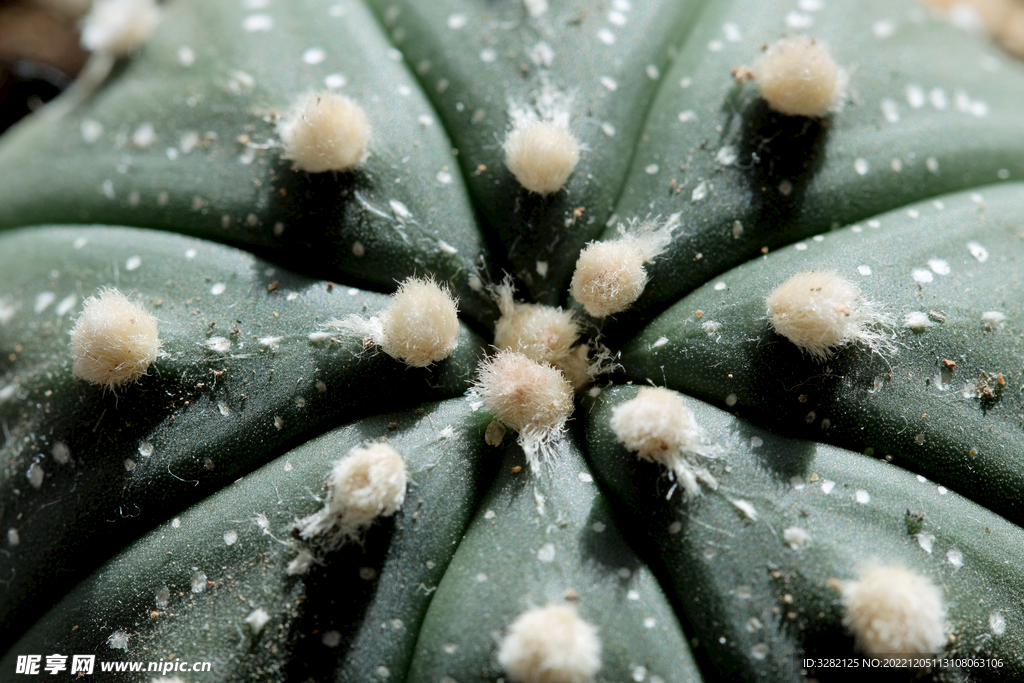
(421, 326)
(114, 340)
(820, 311)
(796, 76)
(659, 427)
(894, 610)
(324, 131)
(533, 399)
(366, 484)
(541, 155)
(550, 645)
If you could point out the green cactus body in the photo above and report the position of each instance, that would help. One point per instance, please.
(160, 521)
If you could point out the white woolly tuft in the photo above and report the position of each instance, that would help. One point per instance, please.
(610, 276)
(797, 77)
(324, 131)
(533, 399)
(540, 150)
(820, 311)
(366, 484)
(550, 645)
(659, 427)
(894, 610)
(419, 327)
(117, 27)
(114, 340)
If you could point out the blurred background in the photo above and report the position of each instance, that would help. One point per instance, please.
(40, 54)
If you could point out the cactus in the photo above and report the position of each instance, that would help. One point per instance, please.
(168, 519)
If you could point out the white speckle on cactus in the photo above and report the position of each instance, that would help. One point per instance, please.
(926, 541)
(550, 645)
(162, 597)
(922, 275)
(891, 609)
(659, 427)
(91, 129)
(827, 486)
(955, 558)
(890, 110)
(114, 340)
(218, 344)
(258, 23)
(533, 399)
(118, 640)
(325, 132)
(61, 453)
(366, 484)
(218, 288)
(993, 320)
(230, 537)
(997, 623)
(820, 311)
(272, 343)
(186, 56)
(35, 475)
(314, 55)
(144, 136)
(747, 508)
(883, 28)
(610, 276)
(546, 553)
(979, 252)
(862, 497)
(66, 304)
(13, 537)
(301, 563)
(198, 581)
(699, 192)
(917, 321)
(796, 537)
(118, 27)
(43, 301)
(257, 619)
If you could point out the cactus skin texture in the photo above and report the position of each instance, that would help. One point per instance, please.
(166, 509)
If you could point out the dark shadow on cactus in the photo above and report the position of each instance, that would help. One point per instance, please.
(535, 232)
(607, 549)
(337, 595)
(357, 233)
(779, 155)
(782, 458)
(792, 393)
